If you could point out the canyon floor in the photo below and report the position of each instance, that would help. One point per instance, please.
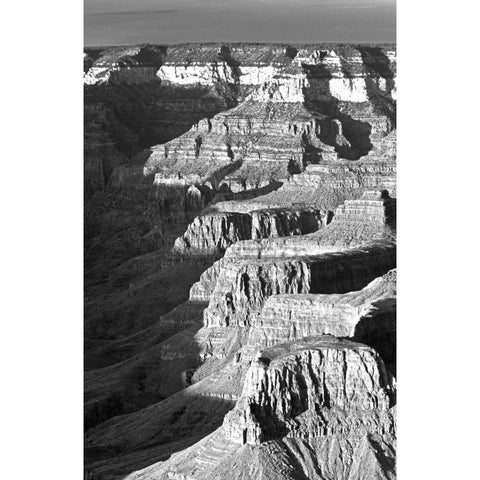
(240, 262)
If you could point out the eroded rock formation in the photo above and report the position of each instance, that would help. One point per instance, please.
(319, 409)
(215, 232)
(361, 314)
(307, 388)
(240, 254)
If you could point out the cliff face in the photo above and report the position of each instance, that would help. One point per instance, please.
(253, 270)
(302, 105)
(319, 105)
(309, 388)
(242, 287)
(318, 409)
(120, 65)
(215, 232)
(367, 315)
(239, 220)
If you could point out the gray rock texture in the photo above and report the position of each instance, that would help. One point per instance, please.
(240, 262)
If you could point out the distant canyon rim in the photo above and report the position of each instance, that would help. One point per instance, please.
(240, 261)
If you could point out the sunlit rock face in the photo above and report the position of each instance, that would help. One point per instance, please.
(215, 232)
(240, 262)
(244, 285)
(359, 243)
(308, 106)
(289, 386)
(120, 65)
(293, 106)
(358, 222)
(319, 408)
(286, 318)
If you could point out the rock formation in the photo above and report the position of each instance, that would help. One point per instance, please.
(366, 315)
(319, 408)
(240, 254)
(215, 232)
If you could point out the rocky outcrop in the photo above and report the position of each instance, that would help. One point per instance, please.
(214, 233)
(203, 289)
(326, 186)
(243, 286)
(247, 147)
(236, 289)
(357, 222)
(313, 387)
(125, 65)
(354, 249)
(122, 119)
(318, 409)
(317, 106)
(236, 64)
(286, 318)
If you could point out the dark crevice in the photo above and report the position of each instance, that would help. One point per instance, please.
(354, 141)
(378, 67)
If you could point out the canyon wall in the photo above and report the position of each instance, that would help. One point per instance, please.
(240, 262)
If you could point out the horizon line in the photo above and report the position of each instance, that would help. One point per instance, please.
(236, 43)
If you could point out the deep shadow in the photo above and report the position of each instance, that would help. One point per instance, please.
(174, 426)
(102, 410)
(291, 52)
(387, 463)
(379, 331)
(155, 112)
(145, 367)
(390, 210)
(224, 193)
(378, 65)
(148, 56)
(351, 270)
(321, 103)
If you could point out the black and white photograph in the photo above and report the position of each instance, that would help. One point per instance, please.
(240, 240)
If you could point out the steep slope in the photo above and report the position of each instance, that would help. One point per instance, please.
(316, 409)
(214, 232)
(216, 356)
(321, 106)
(366, 315)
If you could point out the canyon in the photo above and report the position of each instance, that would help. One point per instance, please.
(240, 262)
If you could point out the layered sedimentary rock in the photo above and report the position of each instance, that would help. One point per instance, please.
(138, 64)
(318, 409)
(367, 224)
(215, 232)
(361, 234)
(357, 222)
(327, 185)
(303, 104)
(246, 147)
(286, 318)
(237, 287)
(318, 105)
(313, 387)
(316, 437)
(279, 158)
(130, 117)
(237, 64)
(243, 287)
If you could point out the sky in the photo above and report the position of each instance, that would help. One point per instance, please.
(127, 22)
